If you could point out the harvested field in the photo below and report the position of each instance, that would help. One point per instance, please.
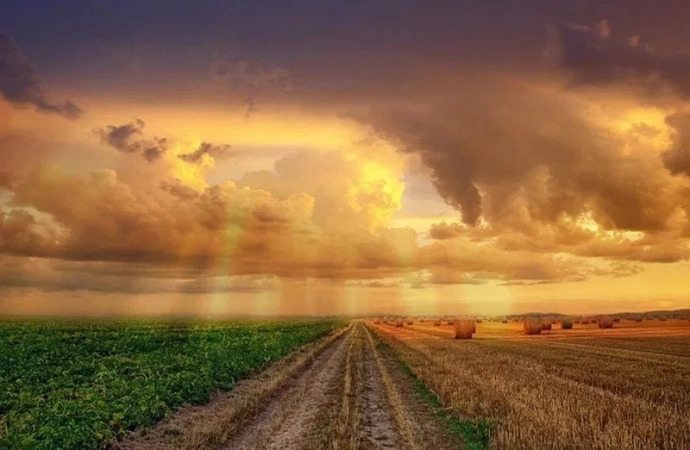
(392, 385)
(587, 388)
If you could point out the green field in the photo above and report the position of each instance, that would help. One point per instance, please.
(78, 385)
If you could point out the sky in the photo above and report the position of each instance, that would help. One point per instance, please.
(364, 157)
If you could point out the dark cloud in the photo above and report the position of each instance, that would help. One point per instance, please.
(445, 230)
(20, 83)
(127, 139)
(120, 137)
(54, 275)
(519, 156)
(677, 158)
(593, 55)
(20, 232)
(214, 150)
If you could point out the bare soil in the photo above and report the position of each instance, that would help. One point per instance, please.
(344, 392)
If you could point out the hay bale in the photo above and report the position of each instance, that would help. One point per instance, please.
(463, 329)
(546, 324)
(474, 326)
(504, 321)
(616, 319)
(585, 322)
(377, 321)
(398, 323)
(567, 323)
(605, 322)
(410, 322)
(532, 325)
(478, 321)
(437, 323)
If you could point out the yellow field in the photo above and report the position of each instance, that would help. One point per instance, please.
(586, 388)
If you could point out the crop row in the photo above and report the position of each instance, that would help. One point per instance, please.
(75, 385)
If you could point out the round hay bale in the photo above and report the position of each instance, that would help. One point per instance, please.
(474, 326)
(504, 321)
(478, 321)
(532, 325)
(398, 323)
(616, 319)
(410, 322)
(567, 323)
(377, 321)
(546, 324)
(605, 322)
(437, 323)
(463, 329)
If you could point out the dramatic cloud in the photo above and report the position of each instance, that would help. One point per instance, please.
(445, 230)
(245, 229)
(129, 138)
(20, 84)
(126, 138)
(442, 162)
(592, 55)
(350, 191)
(517, 156)
(213, 150)
(677, 158)
(22, 232)
(120, 136)
(286, 225)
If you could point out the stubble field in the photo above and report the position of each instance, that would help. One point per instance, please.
(298, 385)
(586, 388)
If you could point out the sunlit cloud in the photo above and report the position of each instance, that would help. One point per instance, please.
(455, 173)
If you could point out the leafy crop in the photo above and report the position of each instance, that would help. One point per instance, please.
(79, 385)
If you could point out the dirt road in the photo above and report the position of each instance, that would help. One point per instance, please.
(343, 393)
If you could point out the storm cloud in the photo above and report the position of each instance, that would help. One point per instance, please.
(595, 55)
(126, 138)
(517, 156)
(21, 85)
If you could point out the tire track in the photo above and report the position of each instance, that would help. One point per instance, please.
(348, 395)
(378, 428)
(282, 425)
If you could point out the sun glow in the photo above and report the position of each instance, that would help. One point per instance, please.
(643, 128)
